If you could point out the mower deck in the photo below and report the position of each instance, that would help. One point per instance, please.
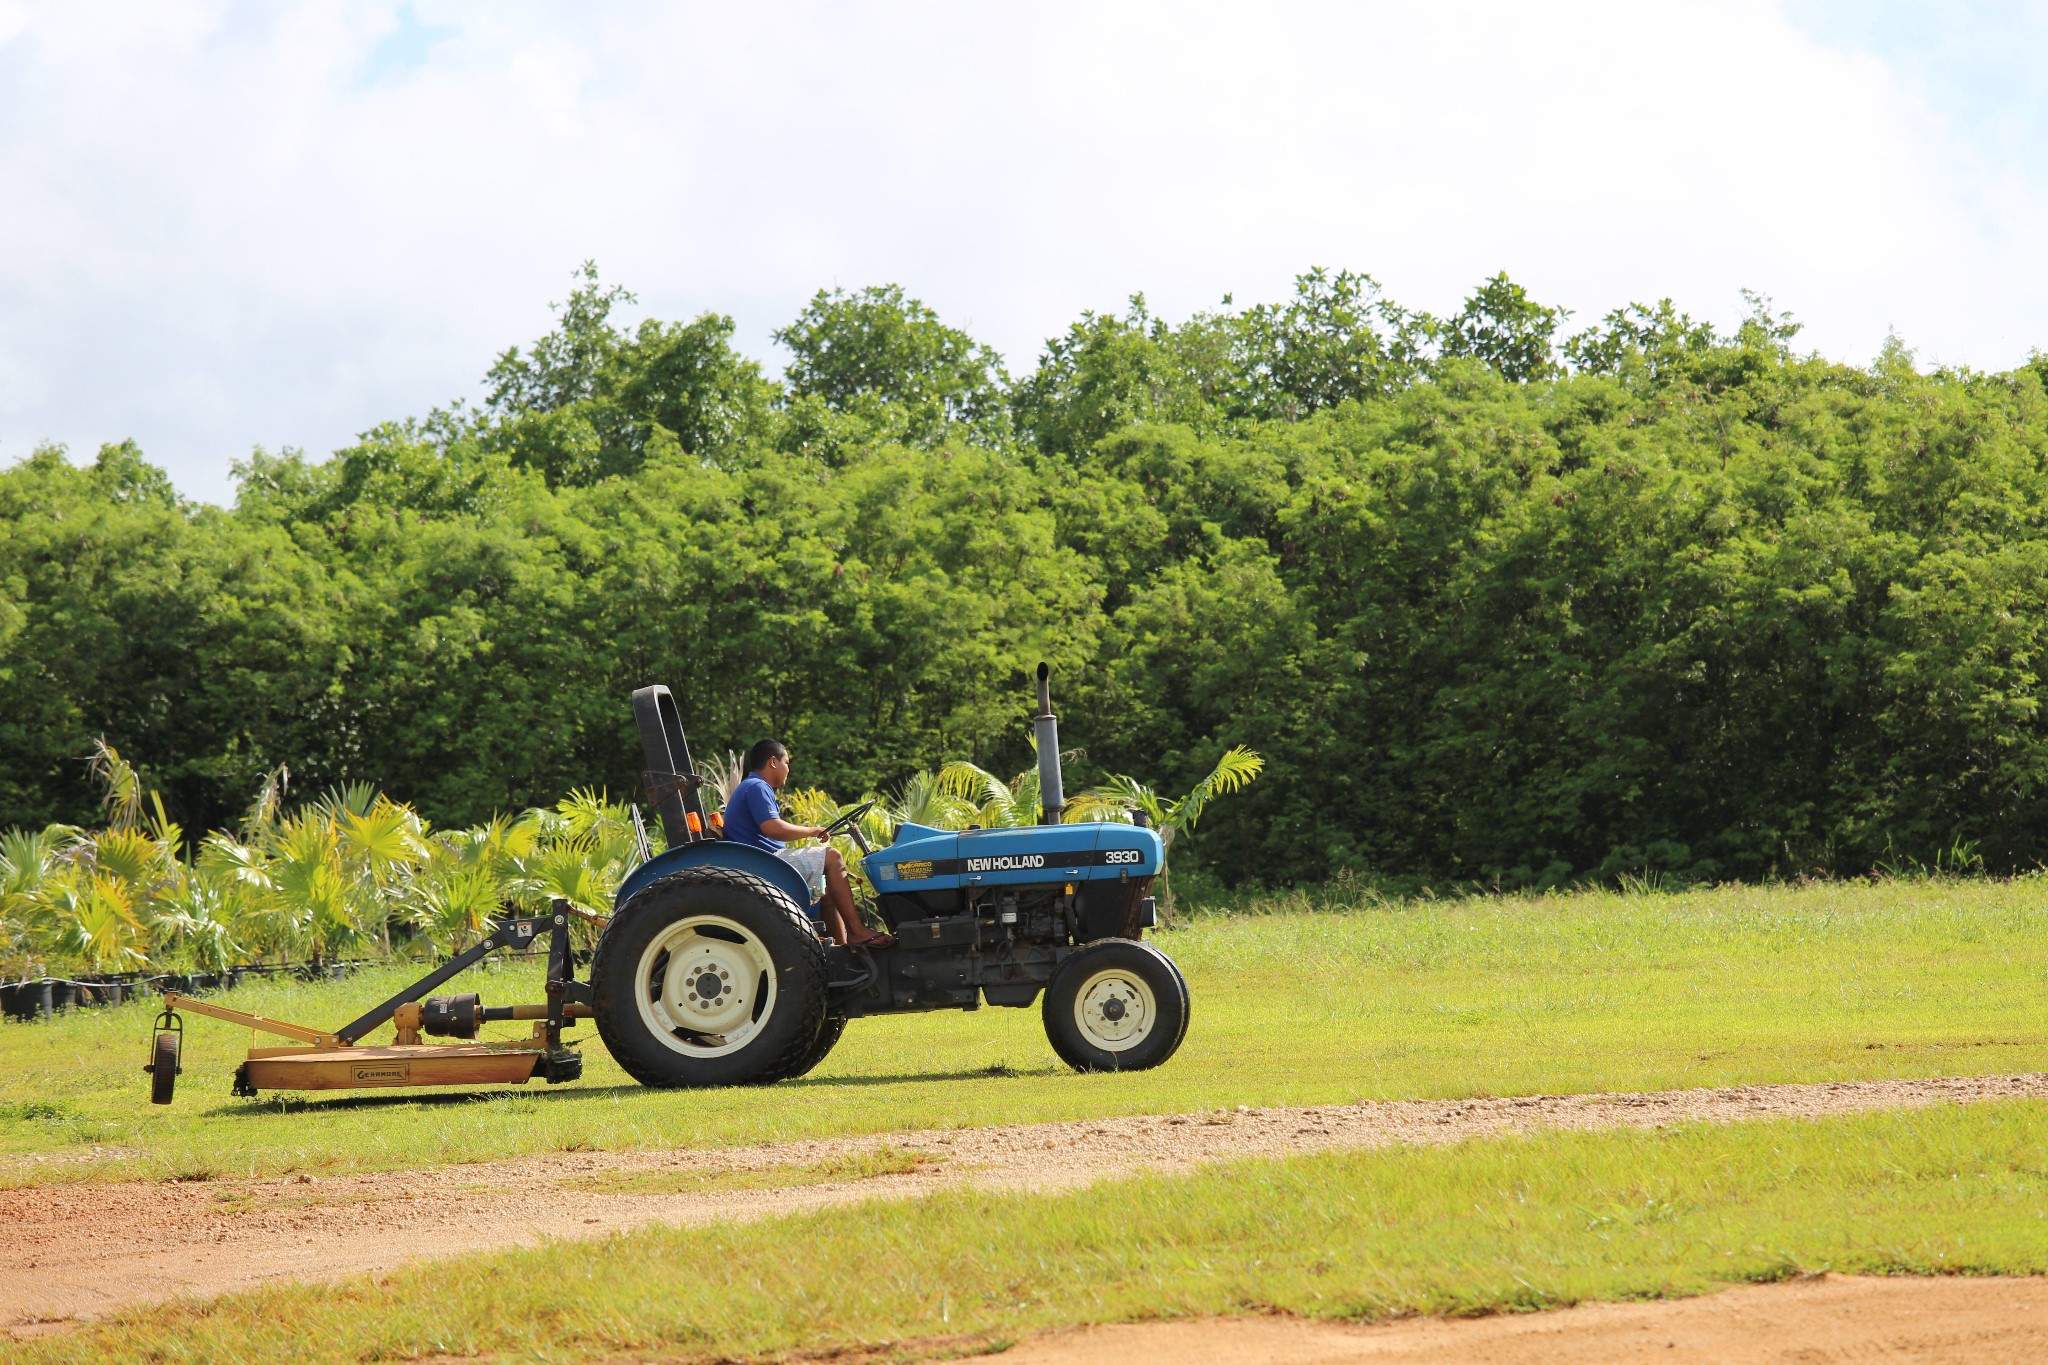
(320, 1059)
(359, 1068)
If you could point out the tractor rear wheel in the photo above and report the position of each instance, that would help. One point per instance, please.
(1117, 1005)
(711, 976)
(828, 1036)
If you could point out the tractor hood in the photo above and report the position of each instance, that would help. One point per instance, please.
(924, 859)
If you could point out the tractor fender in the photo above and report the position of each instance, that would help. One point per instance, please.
(717, 853)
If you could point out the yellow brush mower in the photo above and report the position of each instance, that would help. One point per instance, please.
(323, 1059)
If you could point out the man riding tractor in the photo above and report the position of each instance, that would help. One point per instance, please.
(753, 816)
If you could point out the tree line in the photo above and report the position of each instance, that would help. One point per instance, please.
(1500, 600)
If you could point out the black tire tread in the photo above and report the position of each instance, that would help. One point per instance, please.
(1186, 999)
(163, 1068)
(810, 961)
(829, 1030)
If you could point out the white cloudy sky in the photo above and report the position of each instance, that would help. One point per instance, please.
(234, 224)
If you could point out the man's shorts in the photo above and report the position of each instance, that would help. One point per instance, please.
(809, 862)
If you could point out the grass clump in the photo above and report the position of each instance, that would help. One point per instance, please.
(1500, 1224)
(28, 1111)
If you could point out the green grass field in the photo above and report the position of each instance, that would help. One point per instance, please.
(1483, 996)
(1499, 1224)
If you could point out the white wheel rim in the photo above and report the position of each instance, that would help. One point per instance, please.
(705, 986)
(1115, 1010)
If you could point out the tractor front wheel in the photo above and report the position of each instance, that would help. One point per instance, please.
(1117, 1005)
(711, 976)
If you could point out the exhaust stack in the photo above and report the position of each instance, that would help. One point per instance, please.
(1051, 794)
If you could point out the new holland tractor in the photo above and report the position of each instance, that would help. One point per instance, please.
(713, 968)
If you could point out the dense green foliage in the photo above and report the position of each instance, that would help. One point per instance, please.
(1496, 603)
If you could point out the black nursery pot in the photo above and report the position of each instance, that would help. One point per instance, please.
(26, 1000)
(62, 995)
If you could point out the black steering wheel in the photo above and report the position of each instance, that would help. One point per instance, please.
(845, 818)
(846, 822)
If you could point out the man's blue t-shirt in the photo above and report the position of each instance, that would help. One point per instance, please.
(752, 802)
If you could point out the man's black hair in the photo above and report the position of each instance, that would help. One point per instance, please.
(763, 750)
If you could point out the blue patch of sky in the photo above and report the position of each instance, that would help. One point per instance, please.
(1978, 63)
(405, 49)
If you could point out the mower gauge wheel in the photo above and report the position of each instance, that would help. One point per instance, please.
(163, 1068)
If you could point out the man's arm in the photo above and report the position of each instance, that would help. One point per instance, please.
(759, 802)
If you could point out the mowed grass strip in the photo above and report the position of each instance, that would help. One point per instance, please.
(884, 1161)
(1323, 1001)
(1490, 1225)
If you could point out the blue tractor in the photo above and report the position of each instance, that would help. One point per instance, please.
(714, 969)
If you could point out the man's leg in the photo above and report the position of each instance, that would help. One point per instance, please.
(839, 903)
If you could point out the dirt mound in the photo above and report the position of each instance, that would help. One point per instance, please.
(1837, 1318)
(63, 1260)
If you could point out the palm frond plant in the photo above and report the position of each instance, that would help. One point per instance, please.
(198, 919)
(467, 875)
(268, 803)
(615, 840)
(232, 881)
(145, 863)
(451, 903)
(27, 857)
(120, 784)
(499, 843)
(95, 900)
(1237, 769)
(385, 836)
(571, 870)
(996, 804)
(723, 774)
(350, 798)
(383, 841)
(923, 800)
(93, 919)
(989, 801)
(227, 861)
(324, 894)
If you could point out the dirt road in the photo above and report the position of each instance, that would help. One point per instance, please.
(82, 1250)
(1811, 1322)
